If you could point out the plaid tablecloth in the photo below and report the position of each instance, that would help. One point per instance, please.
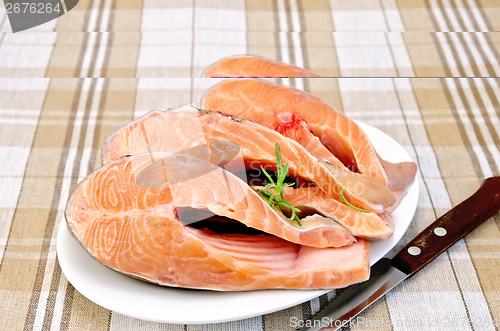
(423, 71)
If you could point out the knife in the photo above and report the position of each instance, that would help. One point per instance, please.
(425, 247)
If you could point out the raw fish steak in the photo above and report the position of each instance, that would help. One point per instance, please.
(186, 127)
(253, 66)
(325, 132)
(128, 215)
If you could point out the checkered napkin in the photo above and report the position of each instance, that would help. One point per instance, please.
(67, 84)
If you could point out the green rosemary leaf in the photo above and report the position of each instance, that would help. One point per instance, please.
(265, 193)
(271, 200)
(277, 151)
(283, 175)
(268, 186)
(277, 198)
(267, 175)
(295, 218)
(347, 202)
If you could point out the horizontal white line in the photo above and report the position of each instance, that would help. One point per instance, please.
(62, 123)
(26, 241)
(29, 255)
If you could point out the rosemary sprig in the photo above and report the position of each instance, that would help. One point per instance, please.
(276, 198)
(347, 202)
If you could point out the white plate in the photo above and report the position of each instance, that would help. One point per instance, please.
(131, 297)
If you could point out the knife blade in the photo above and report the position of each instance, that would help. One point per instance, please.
(425, 247)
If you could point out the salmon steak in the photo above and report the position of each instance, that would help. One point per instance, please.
(253, 66)
(369, 226)
(129, 215)
(327, 133)
(257, 145)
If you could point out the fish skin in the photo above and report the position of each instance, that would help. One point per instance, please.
(135, 230)
(253, 66)
(259, 148)
(264, 102)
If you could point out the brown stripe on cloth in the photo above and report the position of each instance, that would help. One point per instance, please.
(64, 61)
(123, 51)
(415, 15)
(18, 261)
(495, 104)
(277, 31)
(478, 47)
(477, 134)
(55, 283)
(474, 66)
(492, 39)
(99, 317)
(93, 314)
(261, 26)
(484, 115)
(262, 40)
(70, 291)
(482, 265)
(444, 137)
(75, 20)
(37, 212)
(40, 277)
(281, 320)
(424, 54)
(467, 106)
(123, 48)
(456, 58)
(288, 32)
(260, 15)
(316, 16)
(322, 55)
(116, 105)
(483, 278)
(262, 43)
(318, 46)
(278, 56)
(287, 37)
(50, 225)
(107, 57)
(127, 17)
(469, 49)
(116, 108)
(377, 317)
(99, 117)
(477, 98)
(40, 224)
(490, 11)
(303, 41)
(57, 271)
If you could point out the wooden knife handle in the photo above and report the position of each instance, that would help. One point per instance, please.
(450, 228)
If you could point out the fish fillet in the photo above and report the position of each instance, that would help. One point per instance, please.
(159, 131)
(369, 226)
(287, 110)
(131, 225)
(198, 183)
(253, 66)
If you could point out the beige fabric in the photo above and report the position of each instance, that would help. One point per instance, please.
(67, 84)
